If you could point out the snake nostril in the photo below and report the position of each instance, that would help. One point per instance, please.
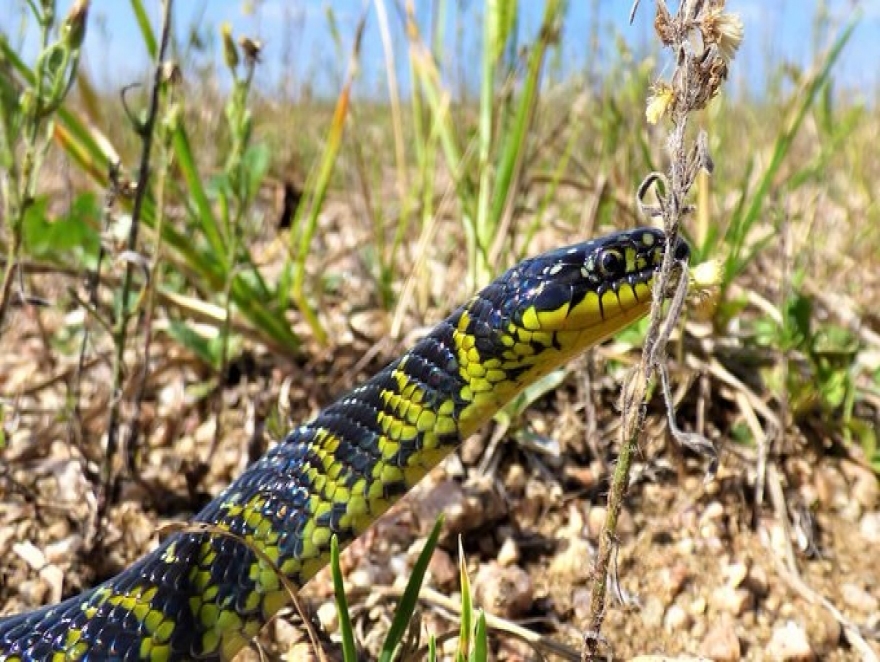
(682, 250)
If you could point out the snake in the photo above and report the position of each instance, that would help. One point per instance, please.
(204, 595)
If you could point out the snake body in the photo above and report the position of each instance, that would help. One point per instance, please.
(205, 596)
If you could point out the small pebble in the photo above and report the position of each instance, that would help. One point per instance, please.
(757, 581)
(584, 477)
(328, 617)
(505, 592)
(869, 527)
(714, 511)
(824, 631)
(721, 643)
(443, 570)
(652, 612)
(596, 520)
(581, 602)
(674, 579)
(300, 652)
(731, 600)
(447, 498)
(515, 479)
(859, 599)
(735, 574)
(65, 549)
(30, 554)
(830, 487)
(574, 562)
(677, 619)
(509, 552)
(698, 606)
(789, 643)
(865, 487)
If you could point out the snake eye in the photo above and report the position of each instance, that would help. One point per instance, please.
(611, 264)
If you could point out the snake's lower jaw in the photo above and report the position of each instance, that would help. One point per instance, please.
(597, 317)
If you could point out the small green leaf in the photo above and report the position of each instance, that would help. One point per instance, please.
(531, 394)
(71, 236)
(480, 651)
(207, 349)
(467, 608)
(407, 605)
(255, 164)
(349, 652)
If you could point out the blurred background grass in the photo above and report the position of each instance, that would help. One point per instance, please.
(496, 128)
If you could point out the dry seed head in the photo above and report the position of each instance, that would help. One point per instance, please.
(661, 100)
(663, 24)
(171, 73)
(251, 48)
(715, 76)
(722, 29)
(704, 289)
(705, 275)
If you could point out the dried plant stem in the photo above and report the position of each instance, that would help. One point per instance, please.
(153, 282)
(633, 401)
(146, 131)
(699, 72)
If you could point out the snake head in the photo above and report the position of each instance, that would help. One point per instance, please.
(546, 310)
(600, 285)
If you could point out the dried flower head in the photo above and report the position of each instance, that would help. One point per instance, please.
(171, 73)
(722, 29)
(663, 24)
(252, 49)
(661, 100)
(704, 289)
(713, 76)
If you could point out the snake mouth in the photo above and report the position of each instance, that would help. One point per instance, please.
(601, 283)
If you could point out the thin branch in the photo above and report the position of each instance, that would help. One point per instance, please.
(146, 131)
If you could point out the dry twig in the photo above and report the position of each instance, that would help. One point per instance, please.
(701, 67)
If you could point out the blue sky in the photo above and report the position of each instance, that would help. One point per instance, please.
(298, 43)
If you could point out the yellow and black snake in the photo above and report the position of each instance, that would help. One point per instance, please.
(204, 596)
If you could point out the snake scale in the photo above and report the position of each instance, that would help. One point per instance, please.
(205, 596)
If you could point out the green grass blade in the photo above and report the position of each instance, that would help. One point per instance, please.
(79, 143)
(514, 143)
(349, 652)
(493, 26)
(204, 211)
(405, 609)
(318, 184)
(741, 225)
(480, 651)
(143, 21)
(426, 75)
(467, 608)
